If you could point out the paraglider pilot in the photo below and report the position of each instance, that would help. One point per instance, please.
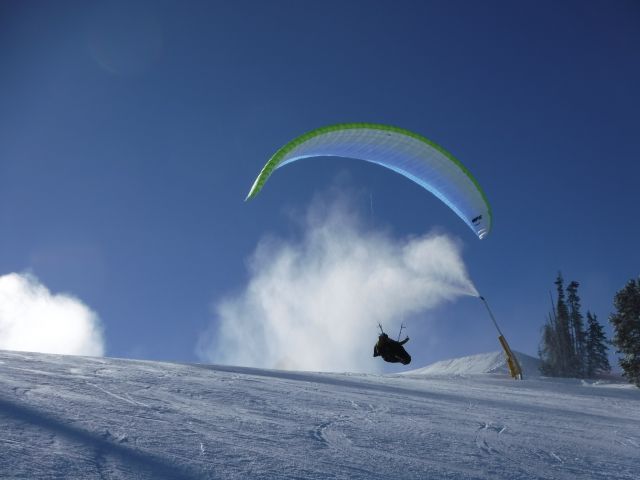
(390, 350)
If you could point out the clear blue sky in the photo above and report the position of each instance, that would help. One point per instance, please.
(130, 135)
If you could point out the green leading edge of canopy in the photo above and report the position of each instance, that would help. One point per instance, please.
(277, 158)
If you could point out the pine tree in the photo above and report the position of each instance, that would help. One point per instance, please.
(626, 324)
(564, 340)
(549, 348)
(556, 346)
(576, 332)
(595, 348)
(562, 348)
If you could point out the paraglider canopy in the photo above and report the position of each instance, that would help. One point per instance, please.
(403, 151)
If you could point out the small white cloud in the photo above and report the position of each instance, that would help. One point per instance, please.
(314, 304)
(33, 319)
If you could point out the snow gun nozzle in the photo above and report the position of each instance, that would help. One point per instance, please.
(481, 298)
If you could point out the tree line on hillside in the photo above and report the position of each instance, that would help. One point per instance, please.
(569, 348)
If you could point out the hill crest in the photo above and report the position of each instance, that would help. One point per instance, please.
(483, 363)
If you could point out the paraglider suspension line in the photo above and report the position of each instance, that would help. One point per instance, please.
(400, 332)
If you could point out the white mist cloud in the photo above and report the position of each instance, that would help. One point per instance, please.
(315, 303)
(33, 319)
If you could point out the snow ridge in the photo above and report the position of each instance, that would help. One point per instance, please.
(492, 362)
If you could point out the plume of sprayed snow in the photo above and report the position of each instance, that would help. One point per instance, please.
(33, 319)
(315, 303)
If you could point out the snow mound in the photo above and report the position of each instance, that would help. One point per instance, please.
(492, 362)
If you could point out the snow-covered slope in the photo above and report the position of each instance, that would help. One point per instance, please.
(494, 362)
(100, 418)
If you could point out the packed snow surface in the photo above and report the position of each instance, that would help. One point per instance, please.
(79, 417)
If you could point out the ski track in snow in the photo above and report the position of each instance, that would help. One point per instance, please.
(99, 418)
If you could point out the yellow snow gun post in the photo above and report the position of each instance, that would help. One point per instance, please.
(512, 361)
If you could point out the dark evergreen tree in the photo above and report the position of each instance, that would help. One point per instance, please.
(626, 324)
(595, 348)
(562, 348)
(556, 349)
(577, 360)
(549, 348)
(564, 340)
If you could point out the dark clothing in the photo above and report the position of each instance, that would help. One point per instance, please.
(391, 350)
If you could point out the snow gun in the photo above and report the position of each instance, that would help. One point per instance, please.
(512, 361)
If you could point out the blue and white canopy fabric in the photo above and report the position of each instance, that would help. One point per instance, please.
(400, 150)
